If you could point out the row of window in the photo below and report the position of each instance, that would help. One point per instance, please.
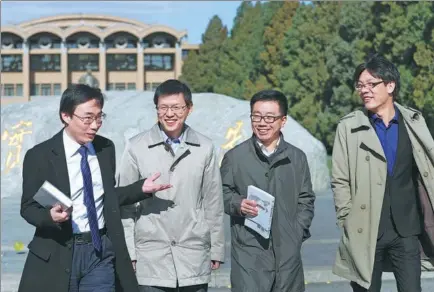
(85, 40)
(45, 89)
(83, 62)
(132, 86)
(49, 89)
(11, 89)
(151, 86)
(121, 86)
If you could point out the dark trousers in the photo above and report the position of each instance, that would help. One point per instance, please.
(404, 255)
(195, 288)
(92, 272)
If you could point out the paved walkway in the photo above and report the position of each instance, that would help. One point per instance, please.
(318, 252)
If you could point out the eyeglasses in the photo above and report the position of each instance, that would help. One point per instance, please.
(176, 109)
(89, 120)
(368, 86)
(267, 119)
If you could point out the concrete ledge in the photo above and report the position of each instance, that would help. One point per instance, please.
(221, 278)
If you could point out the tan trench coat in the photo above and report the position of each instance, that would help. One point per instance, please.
(358, 183)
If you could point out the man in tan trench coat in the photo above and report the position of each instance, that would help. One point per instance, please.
(383, 184)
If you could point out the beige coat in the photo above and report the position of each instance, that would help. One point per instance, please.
(174, 235)
(358, 183)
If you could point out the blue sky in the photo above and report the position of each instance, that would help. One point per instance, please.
(192, 16)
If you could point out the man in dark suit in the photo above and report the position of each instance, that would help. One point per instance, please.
(82, 249)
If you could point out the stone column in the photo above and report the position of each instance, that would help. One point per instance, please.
(26, 70)
(64, 65)
(178, 61)
(140, 67)
(102, 66)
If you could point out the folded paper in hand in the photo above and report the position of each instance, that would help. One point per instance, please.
(265, 203)
(48, 196)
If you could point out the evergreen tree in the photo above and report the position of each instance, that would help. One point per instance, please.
(347, 50)
(240, 59)
(273, 56)
(406, 38)
(201, 71)
(305, 74)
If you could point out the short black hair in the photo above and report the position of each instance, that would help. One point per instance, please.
(77, 94)
(379, 67)
(173, 86)
(271, 95)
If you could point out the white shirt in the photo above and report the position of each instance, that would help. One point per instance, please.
(265, 150)
(80, 222)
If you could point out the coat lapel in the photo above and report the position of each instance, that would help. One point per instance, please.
(369, 140)
(104, 165)
(190, 140)
(417, 128)
(58, 161)
(400, 149)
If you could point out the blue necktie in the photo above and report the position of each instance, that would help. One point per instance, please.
(89, 200)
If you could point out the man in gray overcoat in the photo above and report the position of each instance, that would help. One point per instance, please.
(268, 162)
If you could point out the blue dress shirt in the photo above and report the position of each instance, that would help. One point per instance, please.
(388, 137)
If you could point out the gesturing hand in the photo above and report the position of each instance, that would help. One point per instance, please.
(149, 186)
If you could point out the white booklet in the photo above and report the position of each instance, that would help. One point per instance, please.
(48, 196)
(265, 202)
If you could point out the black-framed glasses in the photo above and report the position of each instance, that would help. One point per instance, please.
(89, 119)
(368, 85)
(176, 109)
(267, 119)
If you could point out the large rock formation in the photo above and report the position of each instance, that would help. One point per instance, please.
(224, 119)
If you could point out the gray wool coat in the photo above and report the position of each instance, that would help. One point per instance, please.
(259, 264)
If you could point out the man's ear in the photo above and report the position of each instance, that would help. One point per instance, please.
(190, 110)
(65, 118)
(390, 87)
(284, 119)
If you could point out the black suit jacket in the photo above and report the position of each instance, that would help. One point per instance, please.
(48, 264)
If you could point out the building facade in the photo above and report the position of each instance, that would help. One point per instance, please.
(44, 56)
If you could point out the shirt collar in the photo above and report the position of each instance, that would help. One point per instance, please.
(395, 119)
(265, 150)
(71, 146)
(170, 140)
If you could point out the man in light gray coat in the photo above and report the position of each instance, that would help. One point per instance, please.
(268, 162)
(176, 238)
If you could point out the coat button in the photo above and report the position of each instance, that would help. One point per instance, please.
(363, 207)
(367, 158)
(360, 230)
(69, 245)
(173, 243)
(67, 271)
(425, 174)
(266, 174)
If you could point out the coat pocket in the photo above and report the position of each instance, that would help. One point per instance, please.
(201, 229)
(40, 248)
